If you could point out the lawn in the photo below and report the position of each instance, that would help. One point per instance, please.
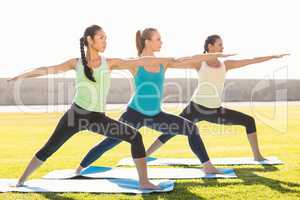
(22, 134)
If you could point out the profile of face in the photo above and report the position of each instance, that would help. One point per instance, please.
(155, 42)
(98, 42)
(216, 47)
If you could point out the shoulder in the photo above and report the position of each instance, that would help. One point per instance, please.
(111, 61)
(73, 62)
(68, 64)
(198, 65)
(228, 63)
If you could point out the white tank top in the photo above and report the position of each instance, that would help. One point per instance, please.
(210, 86)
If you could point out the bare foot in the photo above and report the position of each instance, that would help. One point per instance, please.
(209, 168)
(78, 170)
(259, 158)
(19, 184)
(149, 186)
(212, 170)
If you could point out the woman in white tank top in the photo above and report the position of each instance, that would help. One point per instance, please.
(207, 98)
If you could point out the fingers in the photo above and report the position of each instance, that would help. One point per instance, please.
(10, 80)
(286, 54)
(282, 55)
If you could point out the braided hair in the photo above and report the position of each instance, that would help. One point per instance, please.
(90, 31)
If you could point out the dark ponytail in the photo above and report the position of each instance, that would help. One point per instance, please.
(87, 71)
(210, 40)
(90, 31)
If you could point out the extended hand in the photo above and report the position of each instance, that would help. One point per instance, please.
(12, 79)
(281, 55)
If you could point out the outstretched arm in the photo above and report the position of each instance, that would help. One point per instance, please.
(233, 64)
(41, 71)
(119, 64)
(194, 61)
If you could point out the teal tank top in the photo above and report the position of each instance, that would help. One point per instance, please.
(148, 91)
(92, 95)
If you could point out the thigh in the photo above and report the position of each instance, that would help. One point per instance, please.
(65, 129)
(133, 118)
(232, 117)
(112, 128)
(171, 124)
(195, 113)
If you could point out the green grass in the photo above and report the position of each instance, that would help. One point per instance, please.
(22, 134)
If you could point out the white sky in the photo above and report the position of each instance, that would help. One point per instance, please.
(37, 33)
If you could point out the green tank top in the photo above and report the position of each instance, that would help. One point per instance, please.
(92, 95)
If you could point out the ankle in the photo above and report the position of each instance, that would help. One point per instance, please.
(21, 181)
(257, 154)
(207, 164)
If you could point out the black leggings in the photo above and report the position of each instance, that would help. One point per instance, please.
(78, 119)
(195, 113)
(163, 122)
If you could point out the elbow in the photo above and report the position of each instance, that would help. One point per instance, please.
(41, 71)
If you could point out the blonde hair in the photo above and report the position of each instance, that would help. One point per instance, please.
(141, 38)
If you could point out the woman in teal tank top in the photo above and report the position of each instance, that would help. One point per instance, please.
(148, 92)
(144, 108)
(88, 109)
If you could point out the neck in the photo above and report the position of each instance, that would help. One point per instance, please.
(92, 54)
(147, 52)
